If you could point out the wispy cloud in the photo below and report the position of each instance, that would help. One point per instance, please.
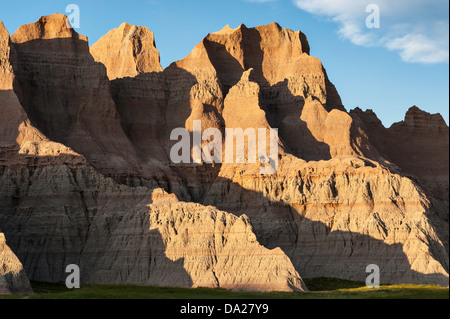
(416, 29)
(260, 1)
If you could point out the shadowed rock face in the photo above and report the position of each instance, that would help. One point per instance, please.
(418, 147)
(66, 93)
(86, 176)
(419, 144)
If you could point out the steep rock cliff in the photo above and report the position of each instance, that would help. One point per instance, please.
(86, 175)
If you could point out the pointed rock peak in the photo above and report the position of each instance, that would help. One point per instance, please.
(269, 35)
(13, 278)
(55, 16)
(127, 31)
(242, 26)
(130, 30)
(367, 116)
(6, 72)
(417, 117)
(226, 30)
(4, 39)
(127, 51)
(3, 29)
(246, 76)
(273, 52)
(47, 27)
(125, 26)
(273, 25)
(275, 31)
(367, 112)
(415, 110)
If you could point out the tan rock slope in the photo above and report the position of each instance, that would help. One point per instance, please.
(86, 176)
(127, 51)
(13, 279)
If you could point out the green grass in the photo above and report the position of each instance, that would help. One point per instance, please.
(320, 288)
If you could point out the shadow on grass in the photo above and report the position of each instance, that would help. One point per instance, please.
(331, 284)
(321, 288)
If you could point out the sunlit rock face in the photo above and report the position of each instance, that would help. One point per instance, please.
(86, 175)
(127, 51)
(13, 279)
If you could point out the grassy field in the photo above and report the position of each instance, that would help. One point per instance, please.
(320, 288)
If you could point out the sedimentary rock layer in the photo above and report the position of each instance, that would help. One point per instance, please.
(132, 235)
(86, 175)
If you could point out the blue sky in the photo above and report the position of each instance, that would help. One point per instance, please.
(387, 69)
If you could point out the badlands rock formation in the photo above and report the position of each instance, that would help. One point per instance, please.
(71, 101)
(86, 175)
(13, 279)
(127, 51)
(416, 145)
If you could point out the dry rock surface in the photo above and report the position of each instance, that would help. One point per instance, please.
(86, 176)
(13, 279)
(127, 51)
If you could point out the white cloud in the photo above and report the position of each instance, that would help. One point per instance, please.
(418, 48)
(416, 29)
